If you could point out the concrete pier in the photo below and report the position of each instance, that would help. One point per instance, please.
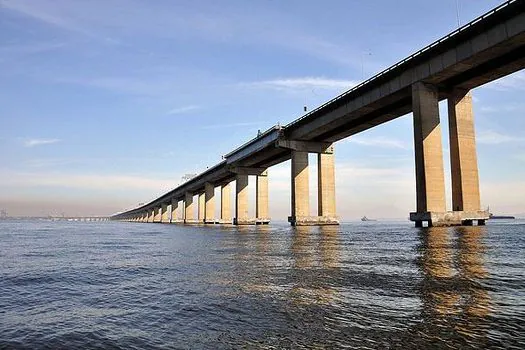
(151, 215)
(226, 213)
(200, 208)
(326, 188)
(188, 209)
(301, 186)
(261, 201)
(430, 181)
(241, 200)
(164, 217)
(209, 206)
(463, 159)
(157, 214)
(176, 216)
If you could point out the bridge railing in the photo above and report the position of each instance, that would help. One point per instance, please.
(403, 61)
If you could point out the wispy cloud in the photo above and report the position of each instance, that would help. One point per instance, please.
(491, 137)
(505, 108)
(379, 142)
(55, 15)
(514, 81)
(231, 125)
(10, 52)
(303, 83)
(39, 142)
(240, 24)
(182, 110)
(85, 181)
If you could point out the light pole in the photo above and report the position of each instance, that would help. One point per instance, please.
(457, 13)
(368, 53)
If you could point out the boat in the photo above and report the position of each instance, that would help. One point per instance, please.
(364, 218)
(499, 217)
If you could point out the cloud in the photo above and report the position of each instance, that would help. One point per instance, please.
(514, 81)
(11, 52)
(304, 83)
(39, 142)
(54, 15)
(379, 142)
(182, 110)
(231, 125)
(504, 108)
(87, 181)
(491, 137)
(243, 25)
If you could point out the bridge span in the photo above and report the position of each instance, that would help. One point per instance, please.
(488, 48)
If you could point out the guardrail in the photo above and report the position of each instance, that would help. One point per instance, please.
(405, 60)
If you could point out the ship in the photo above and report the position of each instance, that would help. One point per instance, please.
(364, 218)
(499, 217)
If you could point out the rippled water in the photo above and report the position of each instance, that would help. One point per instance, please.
(361, 285)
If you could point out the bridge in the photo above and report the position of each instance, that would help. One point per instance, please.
(488, 48)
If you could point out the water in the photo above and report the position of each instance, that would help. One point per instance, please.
(361, 285)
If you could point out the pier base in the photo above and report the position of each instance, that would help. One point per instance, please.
(313, 220)
(251, 221)
(450, 218)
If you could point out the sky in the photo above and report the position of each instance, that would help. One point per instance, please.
(105, 104)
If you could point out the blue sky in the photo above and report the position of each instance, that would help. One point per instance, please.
(107, 103)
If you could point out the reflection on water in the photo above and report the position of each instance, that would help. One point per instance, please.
(362, 285)
(455, 301)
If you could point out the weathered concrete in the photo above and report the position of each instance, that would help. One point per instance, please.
(300, 187)
(326, 187)
(209, 198)
(201, 208)
(450, 218)
(463, 157)
(261, 200)
(226, 213)
(430, 182)
(188, 208)
(165, 219)
(305, 146)
(176, 216)
(241, 200)
(157, 214)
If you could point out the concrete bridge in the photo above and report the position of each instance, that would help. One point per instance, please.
(483, 50)
(78, 218)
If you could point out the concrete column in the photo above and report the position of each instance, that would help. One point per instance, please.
(151, 215)
(300, 186)
(463, 158)
(174, 209)
(430, 182)
(145, 216)
(226, 213)
(201, 208)
(326, 185)
(157, 214)
(261, 193)
(188, 207)
(164, 213)
(241, 199)
(209, 198)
